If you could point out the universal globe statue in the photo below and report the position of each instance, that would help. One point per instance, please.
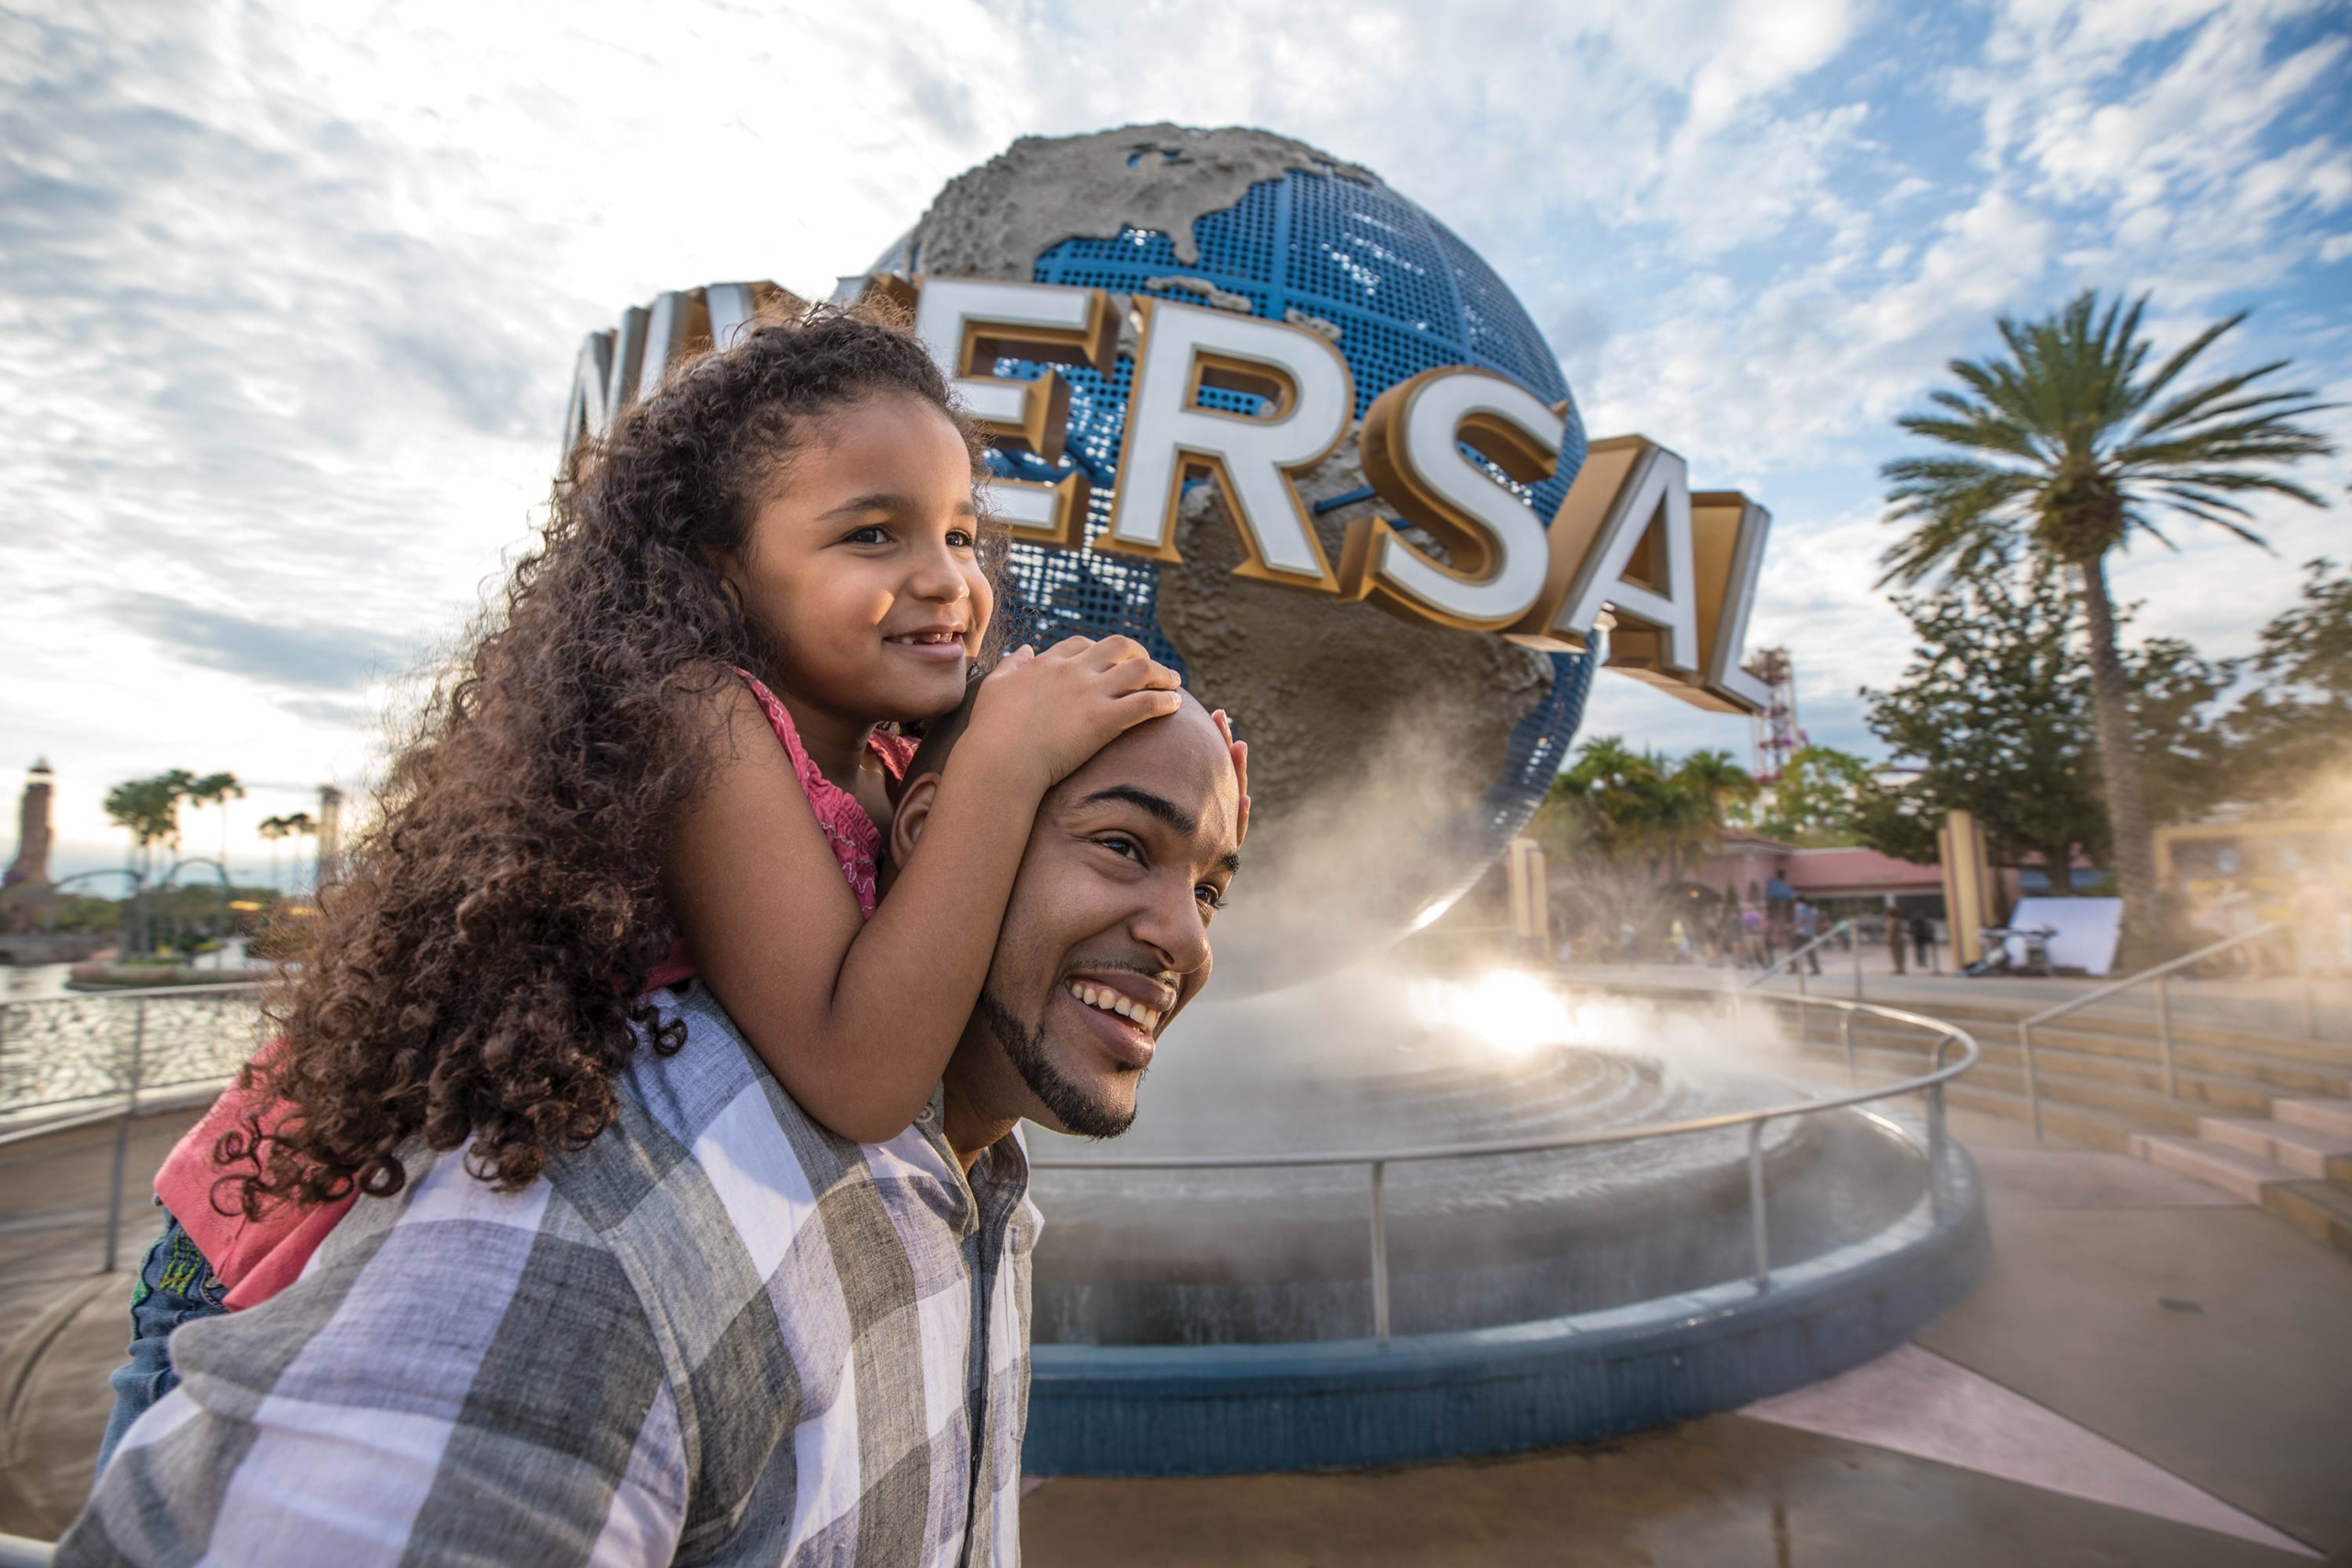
(1391, 762)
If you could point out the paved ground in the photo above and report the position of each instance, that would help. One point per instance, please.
(66, 1322)
(52, 1204)
(1725, 1491)
(2152, 1374)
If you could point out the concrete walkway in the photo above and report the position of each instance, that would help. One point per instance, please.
(2152, 1374)
(63, 1323)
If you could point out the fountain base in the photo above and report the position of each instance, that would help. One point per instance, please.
(1335, 1404)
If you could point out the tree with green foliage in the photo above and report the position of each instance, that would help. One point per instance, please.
(2295, 729)
(1993, 708)
(299, 825)
(1816, 801)
(1717, 779)
(1629, 824)
(217, 789)
(149, 809)
(2066, 448)
(2187, 765)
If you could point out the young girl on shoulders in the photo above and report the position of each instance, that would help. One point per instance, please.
(663, 758)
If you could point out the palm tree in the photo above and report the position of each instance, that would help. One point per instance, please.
(218, 789)
(277, 830)
(149, 809)
(274, 828)
(1713, 777)
(1631, 827)
(2067, 449)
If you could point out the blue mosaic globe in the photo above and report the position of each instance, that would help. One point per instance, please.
(1292, 235)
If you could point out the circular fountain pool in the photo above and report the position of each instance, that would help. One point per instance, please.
(1209, 1319)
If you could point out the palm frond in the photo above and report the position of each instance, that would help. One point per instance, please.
(2182, 357)
(2203, 512)
(2070, 418)
(2196, 403)
(2189, 496)
(2256, 441)
(2136, 520)
(1984, 435)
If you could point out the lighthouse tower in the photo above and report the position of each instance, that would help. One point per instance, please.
(30, 868)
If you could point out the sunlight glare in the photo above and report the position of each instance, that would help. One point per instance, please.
(1510, 1010)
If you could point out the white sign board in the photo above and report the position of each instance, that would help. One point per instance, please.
(2084, 930)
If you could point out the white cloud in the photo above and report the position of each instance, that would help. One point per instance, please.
(287, 295)
(2189, 170)
(1790, 374)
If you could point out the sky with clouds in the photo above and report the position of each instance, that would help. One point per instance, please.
(288, 296)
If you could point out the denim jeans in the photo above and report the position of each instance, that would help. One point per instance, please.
(175, 1284)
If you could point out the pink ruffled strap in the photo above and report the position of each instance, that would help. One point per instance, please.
(857, 841)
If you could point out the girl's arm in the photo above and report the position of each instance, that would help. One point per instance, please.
(857, 1018)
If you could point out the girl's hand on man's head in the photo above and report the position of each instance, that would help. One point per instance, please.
(1044, 714)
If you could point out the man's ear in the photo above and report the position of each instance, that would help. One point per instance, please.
(915, 802)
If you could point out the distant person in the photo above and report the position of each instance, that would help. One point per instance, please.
(2318, 913)
(1894, 942)
(1923, 943)
(1755, 948)
(2233, 909)
(1808, 926)
(1679, 936)
(713, 1332)
(665, 761)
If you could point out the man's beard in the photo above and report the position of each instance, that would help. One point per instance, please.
(1025, 1047)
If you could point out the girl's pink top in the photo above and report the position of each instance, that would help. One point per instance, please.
(257, 1258)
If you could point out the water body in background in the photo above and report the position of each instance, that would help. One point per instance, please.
(24, 982)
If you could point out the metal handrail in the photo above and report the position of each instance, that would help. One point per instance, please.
(1930, 1083)
(18, 1553)
(124, 1112)
(1778, 965)
(139, 993)
(2161, 973)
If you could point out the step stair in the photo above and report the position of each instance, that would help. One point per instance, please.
(2234, 1171)
(2296, 1162)
(2264, 1117)
(2330, 1116)
(2305, 1150)
(2321, 1209)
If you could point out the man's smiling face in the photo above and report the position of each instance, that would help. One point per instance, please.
(1107, 935)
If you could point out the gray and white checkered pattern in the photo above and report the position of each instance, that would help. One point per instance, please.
(718, 1334)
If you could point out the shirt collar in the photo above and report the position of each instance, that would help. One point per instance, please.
(999, 1179)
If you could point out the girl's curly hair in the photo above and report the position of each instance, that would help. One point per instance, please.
(478, 970)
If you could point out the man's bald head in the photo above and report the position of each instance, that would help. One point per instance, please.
(1106, 935)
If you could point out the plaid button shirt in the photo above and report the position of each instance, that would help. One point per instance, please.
(718, 1334)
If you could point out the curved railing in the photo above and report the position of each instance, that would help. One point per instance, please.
(89, 1057)
(2161, 973)
(1931, 1084)
(85, 1049)
(15, 1551)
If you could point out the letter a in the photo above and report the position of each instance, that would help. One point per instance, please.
(1621, 540)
